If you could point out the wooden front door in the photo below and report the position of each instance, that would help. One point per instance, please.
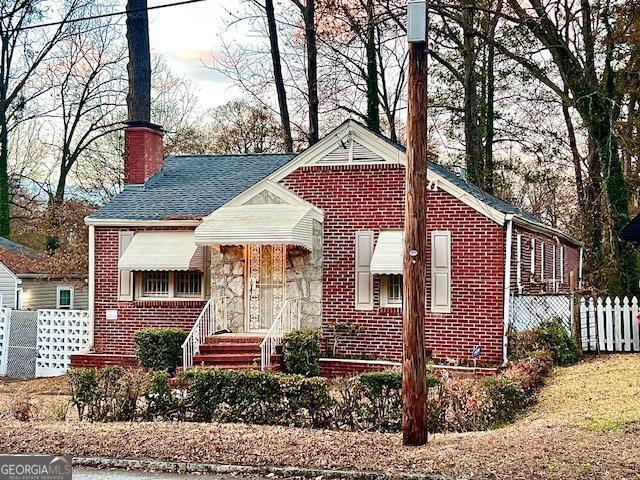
(266, 284)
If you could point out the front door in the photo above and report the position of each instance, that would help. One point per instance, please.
(266, 275)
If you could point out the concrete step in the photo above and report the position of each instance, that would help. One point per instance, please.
(226, 358)
(234, 338)
(230, 347)
(272, 368)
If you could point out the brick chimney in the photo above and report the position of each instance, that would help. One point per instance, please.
(143, 152)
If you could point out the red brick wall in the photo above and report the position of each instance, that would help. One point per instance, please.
(372, 198)
(116, 336)
(144, 154)
(533, 283)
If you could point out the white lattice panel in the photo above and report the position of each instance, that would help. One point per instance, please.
(61, 333)
(4, 339)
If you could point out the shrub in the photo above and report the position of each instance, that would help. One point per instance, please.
(382, 395)
(160, 348)
(107, 394)
(301, 351)
(256, 397)
(372, 401)
(308, 401)
(552, 335)
(161, 401)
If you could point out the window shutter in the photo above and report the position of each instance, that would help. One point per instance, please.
(533, 256)
(555, 262)
(561, 265)
(519, 262)
(441, 271)
(542, 261)
(364, 277)
(125, 277)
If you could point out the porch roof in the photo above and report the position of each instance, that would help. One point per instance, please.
(258, 224)
(387, 256)
(162, 250)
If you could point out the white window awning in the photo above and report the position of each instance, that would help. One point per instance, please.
(259, 224)
(387, 255)
(162, 251)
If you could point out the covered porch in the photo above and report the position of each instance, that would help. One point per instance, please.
(262, 256)
(265, 268)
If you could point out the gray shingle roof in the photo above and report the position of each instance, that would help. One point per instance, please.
(191, 186)
(491, 200)
(18, 248)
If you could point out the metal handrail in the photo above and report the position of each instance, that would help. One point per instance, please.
(207, 323)
(285, 321)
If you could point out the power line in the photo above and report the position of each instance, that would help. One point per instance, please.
(104, 15)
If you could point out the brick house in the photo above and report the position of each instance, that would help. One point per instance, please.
(315, 240)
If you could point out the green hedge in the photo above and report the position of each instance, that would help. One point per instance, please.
(301, 352)
(371, 401)
(160, 348)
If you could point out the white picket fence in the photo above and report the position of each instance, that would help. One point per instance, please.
(609, 325)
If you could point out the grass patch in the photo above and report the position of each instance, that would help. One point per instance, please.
(611, 424)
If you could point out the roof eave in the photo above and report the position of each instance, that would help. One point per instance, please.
(123, 222)
(546, 229)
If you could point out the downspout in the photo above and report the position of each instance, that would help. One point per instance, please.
(92, 283)
(507, 285)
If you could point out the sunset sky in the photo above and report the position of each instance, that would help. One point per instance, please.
(188, 36)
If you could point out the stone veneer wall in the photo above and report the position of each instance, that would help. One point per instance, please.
(227, 279)
(304, 278)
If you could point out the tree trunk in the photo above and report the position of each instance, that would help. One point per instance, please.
(139, 67)
(5, 210)
(308, 14)
(277, 76)
(473, 141)
(373, 100)
(414, 385)
(613, 261)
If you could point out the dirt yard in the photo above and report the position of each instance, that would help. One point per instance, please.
(586, 425)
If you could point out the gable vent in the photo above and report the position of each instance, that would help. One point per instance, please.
(349, 152)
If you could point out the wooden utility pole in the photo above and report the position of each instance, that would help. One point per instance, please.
(414, 379)
(139, 67)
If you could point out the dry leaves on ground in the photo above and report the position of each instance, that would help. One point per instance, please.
(556, 440)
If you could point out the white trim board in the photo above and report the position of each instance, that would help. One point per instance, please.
(275, 189)
(389, 153)
(114, 222)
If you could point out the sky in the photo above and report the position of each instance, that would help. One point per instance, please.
(189, 38)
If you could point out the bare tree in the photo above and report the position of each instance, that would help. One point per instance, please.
(88, 84)
(241, 127)
(22, 52)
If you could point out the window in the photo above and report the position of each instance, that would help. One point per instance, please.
(156, 284)
(169, 285)
(64, 298)
(189, 284)
(391, 291)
